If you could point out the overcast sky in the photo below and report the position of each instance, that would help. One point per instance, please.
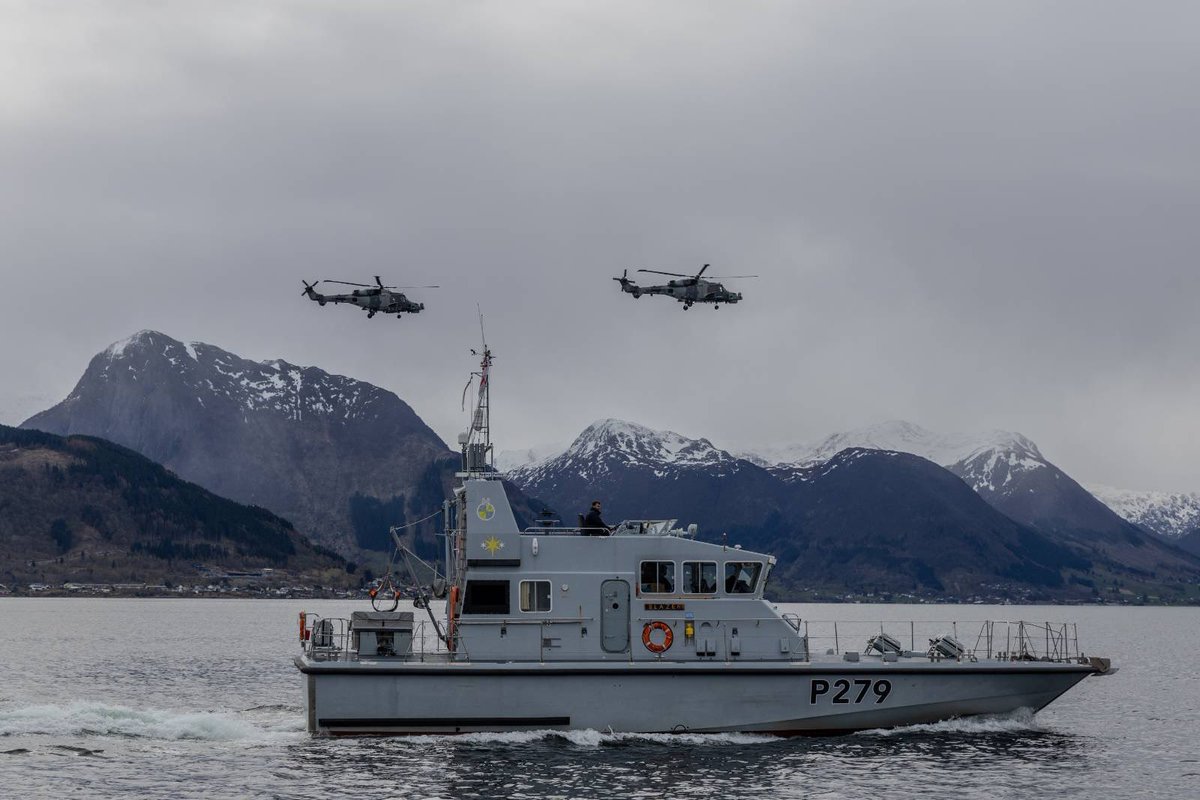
(967, 215)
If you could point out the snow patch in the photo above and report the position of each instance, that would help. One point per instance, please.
(902, 437)
(1171, 514)
(117, 349)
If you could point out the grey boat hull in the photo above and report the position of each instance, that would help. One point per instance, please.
(798, 698)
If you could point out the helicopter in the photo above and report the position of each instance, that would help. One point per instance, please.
(372, 299)
(690, 289)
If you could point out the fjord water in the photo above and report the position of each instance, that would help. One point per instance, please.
(199, 698)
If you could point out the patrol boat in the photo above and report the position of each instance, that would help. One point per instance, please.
(646, 629)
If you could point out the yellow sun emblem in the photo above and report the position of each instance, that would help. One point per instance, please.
(492, 545)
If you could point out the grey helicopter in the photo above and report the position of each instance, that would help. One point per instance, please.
(688, 289)
(372, 299)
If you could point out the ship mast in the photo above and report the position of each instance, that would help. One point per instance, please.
(476, 443)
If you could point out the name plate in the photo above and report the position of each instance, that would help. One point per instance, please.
(664, 606)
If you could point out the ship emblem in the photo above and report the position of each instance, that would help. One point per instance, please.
(486, 510)
(492, 544)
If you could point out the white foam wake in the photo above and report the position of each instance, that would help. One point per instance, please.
(595, 738)
(1020, 721)
(98, 719)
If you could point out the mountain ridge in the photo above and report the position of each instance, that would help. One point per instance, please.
(81, 508)
(298, 440)
(639, 472)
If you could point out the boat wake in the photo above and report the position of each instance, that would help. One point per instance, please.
(595, 738)
(1022, 720)
(98, 719)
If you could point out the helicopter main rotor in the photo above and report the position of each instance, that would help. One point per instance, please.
(378, 284)
(697, 275)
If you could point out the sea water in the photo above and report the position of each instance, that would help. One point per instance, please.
(166, 698)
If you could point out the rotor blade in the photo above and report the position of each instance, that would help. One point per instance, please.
(380, 283)
(701, 272)
(658, 272)
(412, 287)
(348, 283)
(728, 277)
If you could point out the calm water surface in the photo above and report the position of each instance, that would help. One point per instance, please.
(199, 698)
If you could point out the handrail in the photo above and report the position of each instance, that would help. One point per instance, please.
(1005, 640)
(336, 643)
(515, 621)
(331, 638)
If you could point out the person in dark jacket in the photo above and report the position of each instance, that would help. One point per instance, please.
(593, 525)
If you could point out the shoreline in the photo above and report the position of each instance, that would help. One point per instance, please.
(334, 594)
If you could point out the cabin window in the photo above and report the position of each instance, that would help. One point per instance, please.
(486, 597)
(535, 595)
(658, 577)
(741, 576)
(700, 577)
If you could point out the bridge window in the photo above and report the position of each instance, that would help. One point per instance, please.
(658, 577)
(741, 576)
(486, 597)
(535, 595)
(700, 577)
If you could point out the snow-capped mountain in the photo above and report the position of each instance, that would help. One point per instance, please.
(865, 518)
(1172, 515)
(509, 460)
(631, 467)
(987, 460)
(218, 376)
(612, 444)
(332, 454)
(1005, 468)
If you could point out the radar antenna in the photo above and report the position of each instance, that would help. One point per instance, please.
(476, 443)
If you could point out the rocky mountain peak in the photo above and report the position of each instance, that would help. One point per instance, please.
(214, 377)
(639, 444)
(1172, 515)
(904, 437)
(315, 447)
(610, 445)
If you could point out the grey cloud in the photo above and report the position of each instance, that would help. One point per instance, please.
(968, 215)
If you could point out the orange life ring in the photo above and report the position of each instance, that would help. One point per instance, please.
(650, 644)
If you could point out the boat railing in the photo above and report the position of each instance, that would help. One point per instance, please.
(793, 620)
(997, 640)
(332, 639)
(628, 527)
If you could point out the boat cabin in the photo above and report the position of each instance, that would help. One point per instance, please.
(648, 591)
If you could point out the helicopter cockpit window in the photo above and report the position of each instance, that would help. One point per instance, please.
(700, 577)
(658, 577)
(741, 576)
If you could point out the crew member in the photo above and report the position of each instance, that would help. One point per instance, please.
(593, 525)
